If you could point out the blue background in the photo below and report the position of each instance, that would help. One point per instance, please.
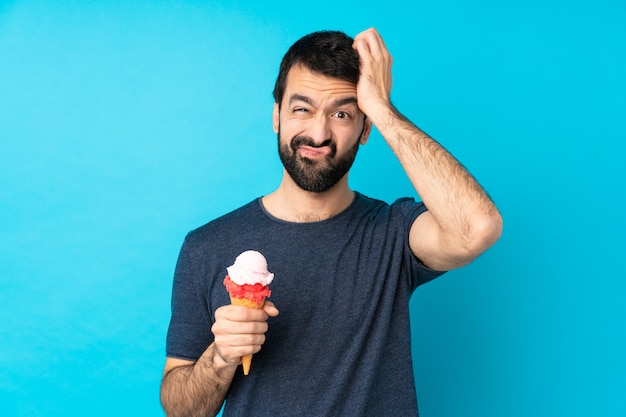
(125, 124)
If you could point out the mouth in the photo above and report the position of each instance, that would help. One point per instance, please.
(306, 148)
(314, 152)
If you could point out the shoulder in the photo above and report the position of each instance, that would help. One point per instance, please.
(225, 220)
(200, 238)
(405, 209)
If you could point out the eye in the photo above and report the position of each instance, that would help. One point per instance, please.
(300, 110)
(342, 114)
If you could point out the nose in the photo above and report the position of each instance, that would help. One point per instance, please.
(319, 130)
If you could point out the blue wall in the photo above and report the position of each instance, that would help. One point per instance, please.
(125, 124)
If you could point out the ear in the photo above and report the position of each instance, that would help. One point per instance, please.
(367, 129)
(275, 118)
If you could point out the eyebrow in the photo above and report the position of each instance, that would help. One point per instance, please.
(347, 100)
(300, 97)
(338, 103)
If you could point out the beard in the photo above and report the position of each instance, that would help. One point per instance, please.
(311, 175)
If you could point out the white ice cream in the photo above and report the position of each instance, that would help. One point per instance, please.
(250, 268)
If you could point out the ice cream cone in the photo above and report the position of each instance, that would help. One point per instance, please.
(246, 360)
(247, 284)
(247, 303)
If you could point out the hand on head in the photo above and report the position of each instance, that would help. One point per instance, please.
(374, 86)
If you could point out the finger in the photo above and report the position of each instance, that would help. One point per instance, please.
(240, 313)
(231, 346)
(270, 309)
(369, 40)
(374, 44)
(362, 49)
(237, 341)
(366, 34)
(226, 327)
(361, 42)
(373, 39)
(232, 353)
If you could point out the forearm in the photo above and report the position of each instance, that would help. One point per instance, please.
(460, 206)
(198, 389)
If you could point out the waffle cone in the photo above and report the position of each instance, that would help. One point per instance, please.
(246, 360)
(247, 303)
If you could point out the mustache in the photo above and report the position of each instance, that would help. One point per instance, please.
(299, 141)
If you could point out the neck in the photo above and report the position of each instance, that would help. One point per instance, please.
(291, 203)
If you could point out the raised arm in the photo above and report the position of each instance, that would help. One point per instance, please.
(462, 221)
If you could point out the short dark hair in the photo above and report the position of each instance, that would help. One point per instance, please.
(327, 52)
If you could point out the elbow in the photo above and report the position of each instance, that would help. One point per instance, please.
(485, 230)
(464, 247)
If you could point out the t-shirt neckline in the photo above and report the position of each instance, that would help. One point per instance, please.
(353, 203)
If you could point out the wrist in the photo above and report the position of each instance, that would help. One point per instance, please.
(383, 115)
(222, 367)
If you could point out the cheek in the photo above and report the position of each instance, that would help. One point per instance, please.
(290, 128)
(346, 137)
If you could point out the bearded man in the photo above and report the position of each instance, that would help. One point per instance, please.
(345, 264)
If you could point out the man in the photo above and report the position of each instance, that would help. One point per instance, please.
(345, 265)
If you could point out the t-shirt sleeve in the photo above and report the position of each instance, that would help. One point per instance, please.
(419, 273)
(189, 332)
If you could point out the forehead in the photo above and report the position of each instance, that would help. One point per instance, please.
(305, 82)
